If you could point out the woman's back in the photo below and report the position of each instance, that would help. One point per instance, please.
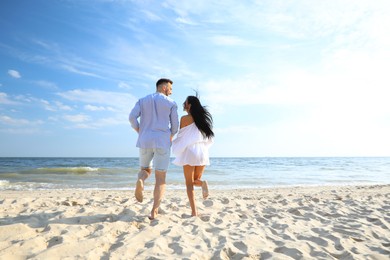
(186, 120)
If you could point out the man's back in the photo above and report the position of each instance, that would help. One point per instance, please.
(158, 120)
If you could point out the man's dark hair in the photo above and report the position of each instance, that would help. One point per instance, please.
(163, 81)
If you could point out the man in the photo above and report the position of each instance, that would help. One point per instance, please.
(158, 124)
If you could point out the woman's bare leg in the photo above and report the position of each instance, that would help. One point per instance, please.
(189, 176)
(198, 182)
(198, 175)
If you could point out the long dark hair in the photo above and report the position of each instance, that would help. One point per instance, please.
(202, 117)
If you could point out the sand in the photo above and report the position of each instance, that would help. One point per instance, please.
(350, 222)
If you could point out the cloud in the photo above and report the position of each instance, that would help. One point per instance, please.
(18, 122)
(98, 108)
(108, 121)
(113, 107)
(151, 16)
(79, 118)
(354, 82)
(251, 90)
(197, 8)
(54, 105)
(46, 84)
(229, 40)
(249, 130)
(148, 59)
(124, 85)
(15, 74)
(83, 121)
(5, 100)
(116, 100)
(186, 21)
(23, 131)
(62, 106)
(78, 71)
(297, 20)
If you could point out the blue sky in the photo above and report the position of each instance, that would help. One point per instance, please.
(281, 78)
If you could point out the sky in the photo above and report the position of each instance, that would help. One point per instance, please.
(280, 78)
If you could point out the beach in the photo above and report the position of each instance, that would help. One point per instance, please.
(322, 222)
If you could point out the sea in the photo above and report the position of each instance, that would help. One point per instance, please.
(223, 174)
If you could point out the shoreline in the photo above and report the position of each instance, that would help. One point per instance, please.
(149, 186)
(321, 222)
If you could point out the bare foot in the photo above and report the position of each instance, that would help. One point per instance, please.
(153, 214)
(205, 189)
(139, 188)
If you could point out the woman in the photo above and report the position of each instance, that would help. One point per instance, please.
(191, 147)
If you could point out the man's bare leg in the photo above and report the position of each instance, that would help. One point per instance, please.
(159, 190)
(139, 187)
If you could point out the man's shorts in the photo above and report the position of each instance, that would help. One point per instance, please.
(157, 157)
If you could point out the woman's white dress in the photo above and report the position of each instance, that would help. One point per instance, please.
(190, 147)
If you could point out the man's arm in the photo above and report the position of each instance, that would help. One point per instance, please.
(133, 116)
(174, 121)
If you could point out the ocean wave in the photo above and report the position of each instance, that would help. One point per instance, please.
(77, 170)
(17, 186)
(4, 183)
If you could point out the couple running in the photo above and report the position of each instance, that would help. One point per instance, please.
(156, 128)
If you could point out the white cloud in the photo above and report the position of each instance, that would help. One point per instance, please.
(83, 121)
(147, 60)
(344, 76)
(62, 106)
(72, 69)
(14, 74)
(79, 118)
(124, 85)
(151, 16)
(117, 100)
(18, 121)
(293, 89)
(300, 19)
(23, 131)
(47, 106)
(54, 105)
(237, 130)
(12, 121)
(186, 21)
(228, 40)
(109, 121)
(5, 100)
(98, 108)
(116, 103)
(46, 84)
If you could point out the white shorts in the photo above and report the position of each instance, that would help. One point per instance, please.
(157, 157)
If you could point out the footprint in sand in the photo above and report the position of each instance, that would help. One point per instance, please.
(218, 221)
(291, 252)
(208, 203)
(205, 218)
(185, 215)
(225, 201)
(54, 241)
